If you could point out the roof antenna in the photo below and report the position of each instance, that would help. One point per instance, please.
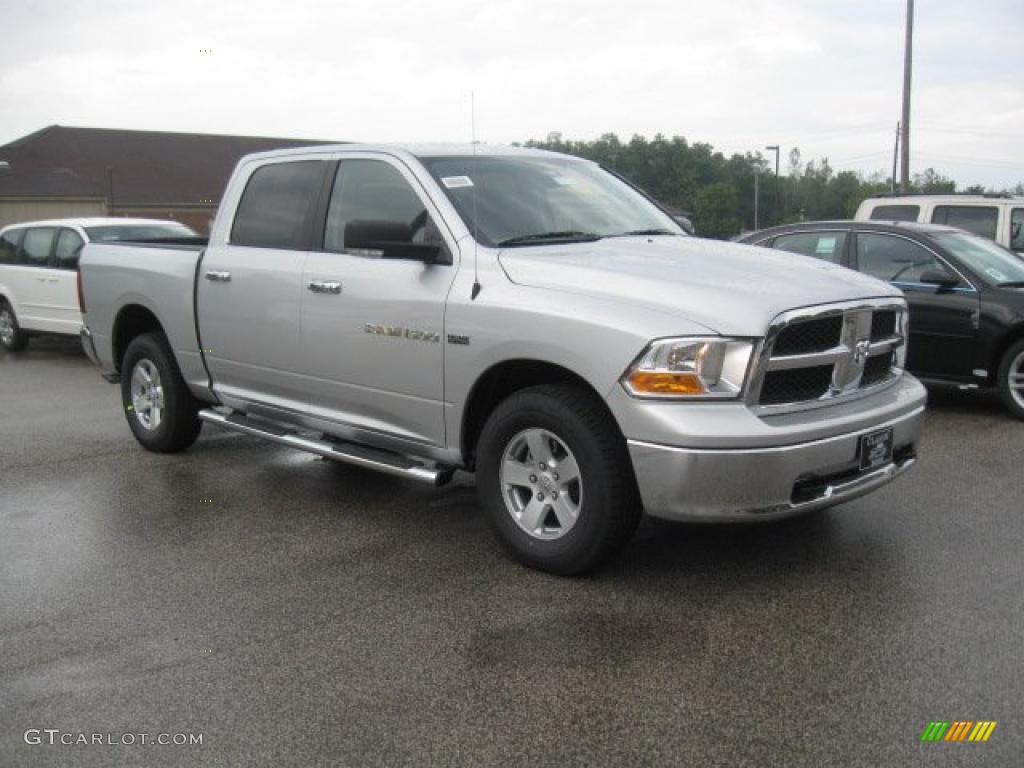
(472, 121)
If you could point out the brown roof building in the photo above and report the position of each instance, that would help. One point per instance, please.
(60, 172)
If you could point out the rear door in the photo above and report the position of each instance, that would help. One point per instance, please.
(249, 288)
(373, 327)
(35, 283)
(943, 321)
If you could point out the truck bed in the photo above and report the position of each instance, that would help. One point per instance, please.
(157, 277)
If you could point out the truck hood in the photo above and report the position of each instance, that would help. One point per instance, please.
(732, 289)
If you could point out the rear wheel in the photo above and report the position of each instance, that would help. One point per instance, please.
(1011, 379)
(11, 336)
(555, 479)
(161, 412)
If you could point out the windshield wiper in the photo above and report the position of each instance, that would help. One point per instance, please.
(1011, 284)
(568, 235)
(640, 232)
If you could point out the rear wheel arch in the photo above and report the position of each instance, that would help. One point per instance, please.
(132, 321)
(502, 380)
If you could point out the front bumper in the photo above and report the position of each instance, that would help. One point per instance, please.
(735, 484)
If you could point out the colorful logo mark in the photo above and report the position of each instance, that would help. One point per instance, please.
(958, 730)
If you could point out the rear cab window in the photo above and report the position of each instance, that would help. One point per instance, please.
(277, 205)
(979, 219)
(896, 213)
(827, 246)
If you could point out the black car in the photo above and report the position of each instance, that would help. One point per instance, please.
(966, 294)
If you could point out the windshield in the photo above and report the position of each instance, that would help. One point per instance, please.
(156, 231)
(509, 201)
(992, 263)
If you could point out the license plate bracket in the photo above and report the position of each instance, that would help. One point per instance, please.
(875, 449)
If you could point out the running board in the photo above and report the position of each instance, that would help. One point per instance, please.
(348, 453)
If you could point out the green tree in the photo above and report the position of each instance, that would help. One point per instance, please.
(716, 211)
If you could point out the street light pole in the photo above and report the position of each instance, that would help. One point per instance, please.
(775, 148)
(905, 126)
(757, 195)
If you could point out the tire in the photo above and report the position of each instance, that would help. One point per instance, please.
(1011, 379)
(548, 520)
(161, 412)
(11, 336)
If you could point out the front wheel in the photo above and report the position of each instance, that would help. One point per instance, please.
(555, 479)
(161, 411)
(11, 336)
(1011, 379)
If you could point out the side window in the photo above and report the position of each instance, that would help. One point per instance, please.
(371, 195)
(1017, 229)
(981, 220)
(276, 204)
(36, 247)
(69, 246)
(820, 245)
(896, 213)
(9, 246)
(893, 259)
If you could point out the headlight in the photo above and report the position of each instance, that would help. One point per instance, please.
(711, 368)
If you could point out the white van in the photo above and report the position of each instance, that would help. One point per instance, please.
(39, 269)
(997, 217)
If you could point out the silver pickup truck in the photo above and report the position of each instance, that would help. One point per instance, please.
(523, 315)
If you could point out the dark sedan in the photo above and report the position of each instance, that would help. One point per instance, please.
(966, 294)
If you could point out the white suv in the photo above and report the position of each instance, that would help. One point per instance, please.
(997, 217)
(39, 268)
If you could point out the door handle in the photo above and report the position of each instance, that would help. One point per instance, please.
(218, 277)
(324, 286)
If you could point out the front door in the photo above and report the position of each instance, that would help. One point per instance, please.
(942, 320)
(373, 327)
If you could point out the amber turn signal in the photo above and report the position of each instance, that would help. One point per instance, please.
(666, 383)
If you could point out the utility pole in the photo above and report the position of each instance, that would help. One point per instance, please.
(775, 148)
(907, 59)
(757, 178)
(895, 155)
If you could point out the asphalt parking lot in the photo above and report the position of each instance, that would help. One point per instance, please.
(298, 612)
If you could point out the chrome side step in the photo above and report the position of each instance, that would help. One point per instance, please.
(349, 453)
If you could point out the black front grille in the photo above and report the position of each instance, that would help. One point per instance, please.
(794, 385)
(883, 324)
(809, 336)
(876, 369)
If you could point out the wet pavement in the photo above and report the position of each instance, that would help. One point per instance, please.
(293, 611)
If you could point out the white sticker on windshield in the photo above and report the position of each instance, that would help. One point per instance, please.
(457, 182)
(995, 274)
(565, 181)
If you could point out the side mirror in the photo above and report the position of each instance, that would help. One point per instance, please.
(944, 280)
(388, 240)
(684, 222)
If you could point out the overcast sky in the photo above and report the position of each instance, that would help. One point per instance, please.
(822, 75)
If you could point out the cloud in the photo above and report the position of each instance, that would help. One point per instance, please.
(824, 76)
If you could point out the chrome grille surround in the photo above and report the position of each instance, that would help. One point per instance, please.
(848, 357)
